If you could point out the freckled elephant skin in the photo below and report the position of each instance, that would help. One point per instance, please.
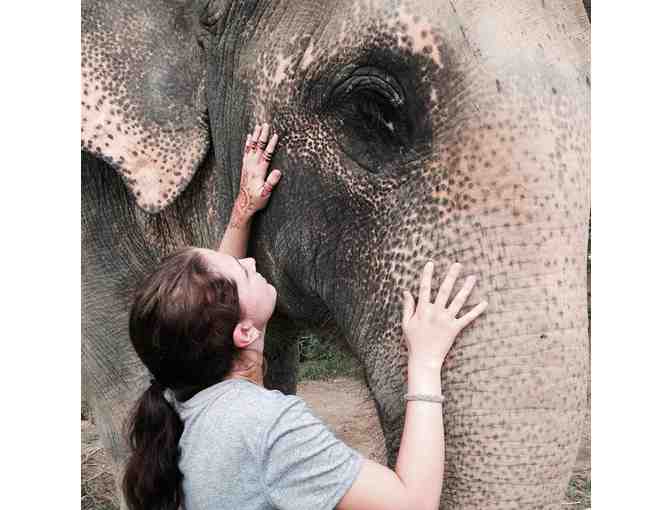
(454, 130)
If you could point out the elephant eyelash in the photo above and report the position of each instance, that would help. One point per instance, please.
(369, 82)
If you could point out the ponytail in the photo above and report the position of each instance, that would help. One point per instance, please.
(152, 480)
(181, 326)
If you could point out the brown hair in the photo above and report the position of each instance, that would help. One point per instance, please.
(181, 326)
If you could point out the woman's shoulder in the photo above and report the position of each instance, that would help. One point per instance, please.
(263, 393)
(242, 399)
(268, 407)
(274, 401)
(239, 407)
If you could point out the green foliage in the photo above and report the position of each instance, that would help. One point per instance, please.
(320, 359)
(578, 491)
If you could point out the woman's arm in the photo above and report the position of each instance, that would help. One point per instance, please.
(255, 190)
(237, 234)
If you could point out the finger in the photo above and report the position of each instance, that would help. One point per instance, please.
(408, 308)
(263, 138)
(255, 137)
(426, 283)
(267, 155)
(469, 317)
(248, 143)
(447, 285)
(256, 133)
(461, 297)
(272, 179)
(271, 144)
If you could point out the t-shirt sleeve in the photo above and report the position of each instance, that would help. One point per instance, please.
(304, 465)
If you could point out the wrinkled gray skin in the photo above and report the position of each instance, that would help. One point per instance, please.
(456, 130)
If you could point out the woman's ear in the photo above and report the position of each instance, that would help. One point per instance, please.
(245, 333)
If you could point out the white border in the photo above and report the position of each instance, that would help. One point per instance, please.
(631, 214)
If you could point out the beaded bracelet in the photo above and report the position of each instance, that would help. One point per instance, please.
(425, 397)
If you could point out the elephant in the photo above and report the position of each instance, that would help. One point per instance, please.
(409, 130)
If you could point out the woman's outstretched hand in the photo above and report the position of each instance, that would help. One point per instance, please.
(255, 185)
(431, 328)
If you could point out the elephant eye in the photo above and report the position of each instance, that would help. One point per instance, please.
(373, 127)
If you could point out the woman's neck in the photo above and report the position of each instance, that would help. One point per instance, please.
(250, 365)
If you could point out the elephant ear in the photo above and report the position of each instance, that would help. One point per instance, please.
(143, 94)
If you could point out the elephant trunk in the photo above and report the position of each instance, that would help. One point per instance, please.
(514, 381)
(516, 390)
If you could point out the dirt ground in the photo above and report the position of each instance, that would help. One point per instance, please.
(344, 406)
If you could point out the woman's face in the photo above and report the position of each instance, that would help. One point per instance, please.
(255, 295)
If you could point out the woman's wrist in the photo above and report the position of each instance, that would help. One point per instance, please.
(427, 363)
(423, 378)
(241, 216)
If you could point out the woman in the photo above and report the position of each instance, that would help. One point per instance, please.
(207, 435)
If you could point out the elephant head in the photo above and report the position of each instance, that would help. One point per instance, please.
(412, 129)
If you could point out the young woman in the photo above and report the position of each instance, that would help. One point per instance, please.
(207, 435)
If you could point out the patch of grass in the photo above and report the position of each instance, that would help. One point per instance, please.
(323, 360)
(577, 494)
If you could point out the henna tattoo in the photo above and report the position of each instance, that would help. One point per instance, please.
(238, 218)
(266, 191)
(243, 207)
(267, 156)
(263, 144)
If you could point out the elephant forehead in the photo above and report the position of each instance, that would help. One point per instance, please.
(400, 23)
(416, 33)
(331, 32)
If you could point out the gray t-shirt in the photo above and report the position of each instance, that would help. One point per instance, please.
(248, 448)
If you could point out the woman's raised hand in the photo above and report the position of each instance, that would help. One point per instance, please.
(431, 328)
(255, 185)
